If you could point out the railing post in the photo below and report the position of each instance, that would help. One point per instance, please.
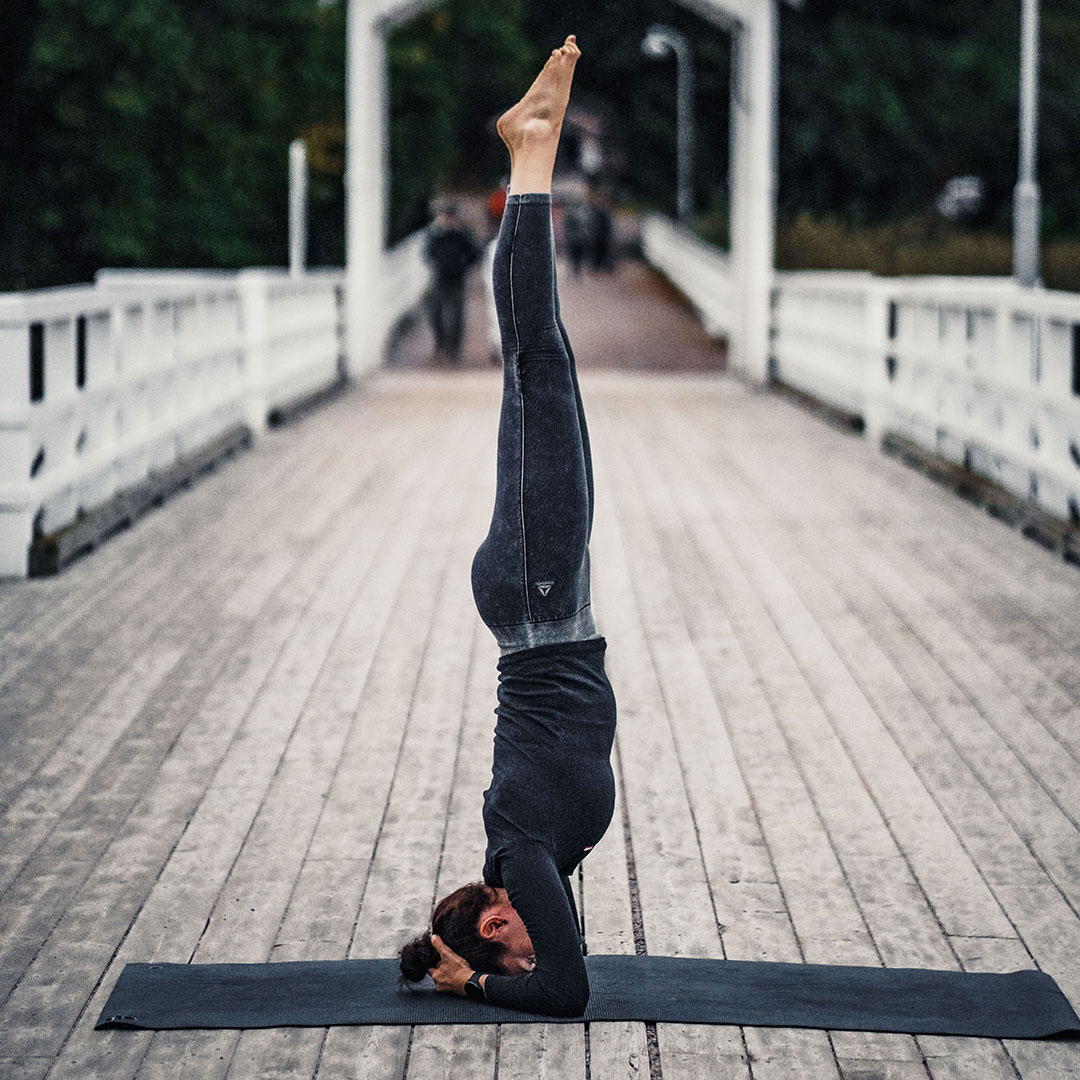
(753, 187)
(16, 504)
(880, 328)
(253, 289)
(366, 187)
(298, 188)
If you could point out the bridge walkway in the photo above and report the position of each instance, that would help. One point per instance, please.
(257, 726)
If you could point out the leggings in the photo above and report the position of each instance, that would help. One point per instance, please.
(530, 576)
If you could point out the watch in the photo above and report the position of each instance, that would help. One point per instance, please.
(473, 990)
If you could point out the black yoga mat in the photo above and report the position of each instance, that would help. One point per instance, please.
(1023, 1004)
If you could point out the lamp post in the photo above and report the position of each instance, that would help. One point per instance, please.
(298, 178)
(657, 43)
(1026, 193)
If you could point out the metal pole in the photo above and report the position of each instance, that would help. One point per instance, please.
(657, 43)
(685, 70)
(297, 208)
(1026, 199)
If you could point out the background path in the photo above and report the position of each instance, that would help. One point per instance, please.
(629, 318)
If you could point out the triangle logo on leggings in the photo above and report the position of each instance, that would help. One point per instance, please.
(544, 587)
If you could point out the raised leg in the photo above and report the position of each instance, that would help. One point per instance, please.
(531, 128)
(531, 132)
(531, 574)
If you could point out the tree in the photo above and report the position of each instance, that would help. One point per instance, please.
(882, 101)
(148, 133)
(452, 71)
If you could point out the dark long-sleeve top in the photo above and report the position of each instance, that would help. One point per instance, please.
(551, 799)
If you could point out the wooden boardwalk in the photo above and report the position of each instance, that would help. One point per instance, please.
(257, 727)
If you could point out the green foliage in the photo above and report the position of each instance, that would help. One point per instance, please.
(155, 133)
(925, 244)
(150, 133)
(452, 71)
(882, 102)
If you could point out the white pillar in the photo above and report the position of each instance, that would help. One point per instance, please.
(253, 288)
(366, 178)
(1026, 197)
(753, 186)
(17, 504)
(298, 184)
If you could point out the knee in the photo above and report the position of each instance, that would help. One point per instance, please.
(497, 585)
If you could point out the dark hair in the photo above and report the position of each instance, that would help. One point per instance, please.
(455, 921)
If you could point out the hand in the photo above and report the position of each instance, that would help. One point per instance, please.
(452, 971)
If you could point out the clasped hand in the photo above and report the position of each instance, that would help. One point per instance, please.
(452, 971)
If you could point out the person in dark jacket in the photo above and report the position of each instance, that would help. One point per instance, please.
(514, 938)
(450, 251)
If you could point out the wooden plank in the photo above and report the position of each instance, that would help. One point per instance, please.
(123, 777)
(176, 910)
(465, 690)
(86, 587)
(615, 1049)
(836, 762)
(677, 908)
(1051, 750)
(545, 1052)
(42, 610)
(799, 823)
(25, 1068)
(264, 875)
(117, 877)
(146, 556)
(139, 606)
(873, 866)
(1004, 631)
(787, 610)
(402, 879)
(1017, 584)
(1015, 833)
(806, 687)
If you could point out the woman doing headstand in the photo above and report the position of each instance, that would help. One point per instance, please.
(515, 939)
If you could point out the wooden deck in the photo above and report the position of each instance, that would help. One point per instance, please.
(258, 725)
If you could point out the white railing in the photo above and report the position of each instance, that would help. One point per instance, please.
(698, 269)
(105, 385)
(291, 329)
(828, 334)
(986, 373)
(405, 278)
(978, 370)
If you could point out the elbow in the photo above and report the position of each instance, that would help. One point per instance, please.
(572, 1001)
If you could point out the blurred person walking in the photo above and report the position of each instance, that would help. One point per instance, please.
(450, 251)
(577, 233)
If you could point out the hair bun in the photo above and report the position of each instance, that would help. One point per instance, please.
(418, 957)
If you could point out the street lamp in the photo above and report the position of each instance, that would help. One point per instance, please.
(1026, 192)
(657, 43)
(298, 183)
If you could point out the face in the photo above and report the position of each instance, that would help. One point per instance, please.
(500, 922)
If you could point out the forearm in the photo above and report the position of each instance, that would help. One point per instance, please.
(566, 995)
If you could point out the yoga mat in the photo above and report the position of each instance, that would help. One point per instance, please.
(1020, 1005)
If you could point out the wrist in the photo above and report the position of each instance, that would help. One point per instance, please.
(474, 987)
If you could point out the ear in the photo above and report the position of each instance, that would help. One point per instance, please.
(491, 922)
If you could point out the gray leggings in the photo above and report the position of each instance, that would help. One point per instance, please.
(530, 576)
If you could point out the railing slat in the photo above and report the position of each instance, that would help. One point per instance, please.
(120, 379)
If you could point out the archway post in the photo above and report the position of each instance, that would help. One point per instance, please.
(753, 186)
(754, 28)
(366, 184)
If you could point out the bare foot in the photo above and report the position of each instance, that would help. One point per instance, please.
(531, 128)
